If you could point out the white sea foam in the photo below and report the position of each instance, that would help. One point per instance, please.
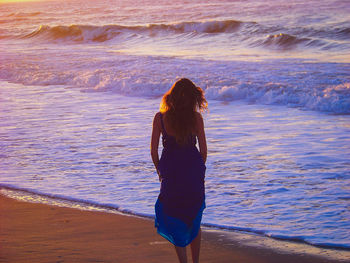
(293, 84)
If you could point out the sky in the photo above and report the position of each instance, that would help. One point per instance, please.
(11, 1)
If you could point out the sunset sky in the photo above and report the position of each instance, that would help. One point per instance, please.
(11, 1)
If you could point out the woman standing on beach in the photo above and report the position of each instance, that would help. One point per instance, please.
(181, 168)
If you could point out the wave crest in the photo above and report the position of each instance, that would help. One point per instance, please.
(73, 33)
(86, 33)
(250, 34)
(334, 99)
(210, 27)
(284, 41)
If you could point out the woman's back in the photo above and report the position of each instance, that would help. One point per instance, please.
(169, 137)
(181, 168)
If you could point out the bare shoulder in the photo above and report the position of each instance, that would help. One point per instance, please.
(199, 123)
(156, 119)
(157, 116)
(199, 117)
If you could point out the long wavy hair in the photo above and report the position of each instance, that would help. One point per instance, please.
(179, 106)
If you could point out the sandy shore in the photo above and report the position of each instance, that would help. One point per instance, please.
(32, 232)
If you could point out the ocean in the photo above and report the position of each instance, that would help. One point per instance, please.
(80, 82)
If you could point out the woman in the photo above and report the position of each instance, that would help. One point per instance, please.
(181, 168)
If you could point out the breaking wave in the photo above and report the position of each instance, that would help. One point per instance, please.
(306, 86)
(248, 34)
(74, 33)
(88, 33)
(286, 41)
(334, 99)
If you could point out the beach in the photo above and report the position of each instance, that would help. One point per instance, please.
(80, 83)
(34, 232)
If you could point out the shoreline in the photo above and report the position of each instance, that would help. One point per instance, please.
(29, 195)
(44, 232)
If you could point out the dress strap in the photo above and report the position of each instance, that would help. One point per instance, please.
(161, 121)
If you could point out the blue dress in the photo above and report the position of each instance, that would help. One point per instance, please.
(181, 201)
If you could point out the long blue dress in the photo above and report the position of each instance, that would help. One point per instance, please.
(181, 201)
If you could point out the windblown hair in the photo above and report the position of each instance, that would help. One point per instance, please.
(180, 105)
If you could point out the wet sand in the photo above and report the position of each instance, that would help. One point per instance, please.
(33, 232)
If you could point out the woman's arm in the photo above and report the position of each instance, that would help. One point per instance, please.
(201, 137)
(155, 140)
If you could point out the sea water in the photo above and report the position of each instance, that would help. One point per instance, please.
(82, 80)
